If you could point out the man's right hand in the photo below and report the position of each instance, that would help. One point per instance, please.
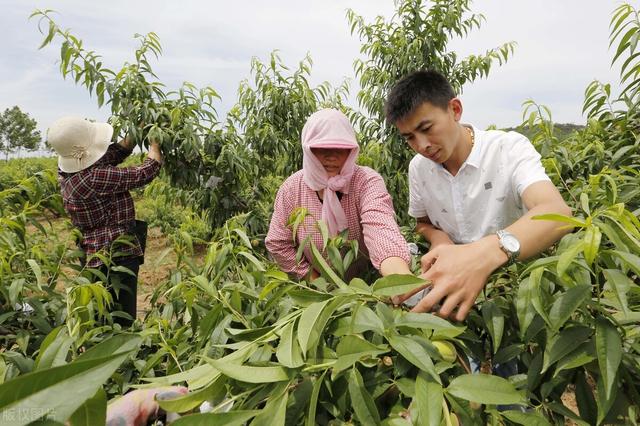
(154, 152)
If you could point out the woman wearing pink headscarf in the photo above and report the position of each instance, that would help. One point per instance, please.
(333, 188)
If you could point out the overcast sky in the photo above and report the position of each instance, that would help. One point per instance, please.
(562, 46)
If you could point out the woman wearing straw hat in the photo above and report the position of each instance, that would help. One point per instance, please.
(96, 196)
(344, 195)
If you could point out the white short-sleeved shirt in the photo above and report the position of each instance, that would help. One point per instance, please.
(485, 195)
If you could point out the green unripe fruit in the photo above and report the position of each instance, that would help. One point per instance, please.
(446, 349)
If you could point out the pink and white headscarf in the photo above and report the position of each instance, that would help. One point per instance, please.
(329, 128)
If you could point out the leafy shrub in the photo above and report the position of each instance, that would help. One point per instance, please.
(263, 348)
(17, 169)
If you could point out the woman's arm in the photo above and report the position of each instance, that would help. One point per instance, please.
(279, 240)
(387, 247)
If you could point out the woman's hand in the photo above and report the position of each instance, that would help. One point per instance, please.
(127, 143)
(313, 274)
(154, 152)
(139, 406)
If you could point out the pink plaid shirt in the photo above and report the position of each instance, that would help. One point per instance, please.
(370, 216)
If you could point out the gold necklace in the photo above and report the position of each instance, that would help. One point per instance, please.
(472, 134)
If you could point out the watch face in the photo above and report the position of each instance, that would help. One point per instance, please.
(510, 243)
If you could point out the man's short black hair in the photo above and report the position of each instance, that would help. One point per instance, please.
(414, 90)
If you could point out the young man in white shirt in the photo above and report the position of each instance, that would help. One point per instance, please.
(472, 192)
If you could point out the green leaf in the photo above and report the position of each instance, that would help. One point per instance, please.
(361, 401)
(537, 292)
(630, 259)
(304, 297)
(299, 397)
(250, 374)
(274, 412)
(296, 218)
(313, 402)
(563, 344)
(191, 376)
(36, 271)
(592, 237)
(396, 284)
(259, 265)
(307, 323)
(582, 355)
(566, 304)
(534, 376)
(288, 352)
(50, 34)
(395, 420)
(524, 305)
(193, 399)
(564, 411)
(560, 218)
(324, 231)
(530, 418)
(323, 267)
(311, 327)
(3, 370)
(485, 389)
(352, 349)
(49, 390)
(240, 232)
(428, 398)
(584, 203)
(359, 285)
(426, 321)
(415, 353)
(232, 418)
(568, 256)
(508, 353)
(584, 397)
(92, 412)
(336, 259)
(619, 284)
(365, 319)
(604, 402)
(609, 350)
(301, 247)
(54, 349)
(124, 342)
(494, 321)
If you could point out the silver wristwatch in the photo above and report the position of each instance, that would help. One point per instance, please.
(509, 244)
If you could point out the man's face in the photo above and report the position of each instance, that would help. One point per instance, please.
(332, 159)
(431, 131)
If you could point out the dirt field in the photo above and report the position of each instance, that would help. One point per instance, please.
(155, 270)
(160, 258)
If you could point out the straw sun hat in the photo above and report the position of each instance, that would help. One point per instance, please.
(79, 143)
